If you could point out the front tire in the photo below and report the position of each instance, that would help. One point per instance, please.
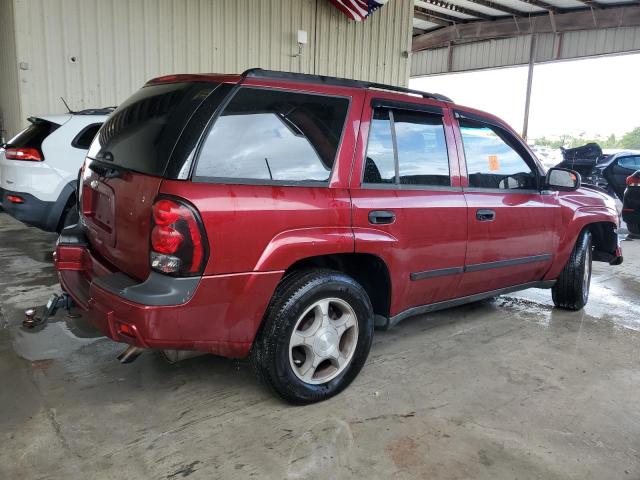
(571, 290)
(634, 228)
(316, 336)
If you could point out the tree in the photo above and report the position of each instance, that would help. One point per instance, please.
(631, 140)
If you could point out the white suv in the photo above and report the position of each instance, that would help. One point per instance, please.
(39, 167)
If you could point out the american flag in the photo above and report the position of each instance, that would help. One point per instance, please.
(358, 10)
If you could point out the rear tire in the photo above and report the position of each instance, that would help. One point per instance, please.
(634, 228)
(316, 336)
(571, 290)
(69, 217)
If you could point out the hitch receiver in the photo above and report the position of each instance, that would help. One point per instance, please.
(55, 302)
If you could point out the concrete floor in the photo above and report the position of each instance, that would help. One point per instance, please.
(509, 388)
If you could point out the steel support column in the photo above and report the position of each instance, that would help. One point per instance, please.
(527, 102)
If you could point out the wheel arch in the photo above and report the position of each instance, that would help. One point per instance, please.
(369, 270)
(602, 224)
(65, 201)
(605, 242)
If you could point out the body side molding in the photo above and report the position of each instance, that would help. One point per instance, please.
(480, 266)
(455, 302)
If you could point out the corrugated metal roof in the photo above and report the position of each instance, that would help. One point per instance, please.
(446, 11)
(423, 24)
(566, 3)
(480, 8)
(520, 5)
(502, 8)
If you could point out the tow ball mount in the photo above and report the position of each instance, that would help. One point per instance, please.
(55, 302)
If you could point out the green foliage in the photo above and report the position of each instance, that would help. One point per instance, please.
(630, 140)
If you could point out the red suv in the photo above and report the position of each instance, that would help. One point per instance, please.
(281, 216)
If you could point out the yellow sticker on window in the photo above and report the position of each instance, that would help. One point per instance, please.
(494, 164)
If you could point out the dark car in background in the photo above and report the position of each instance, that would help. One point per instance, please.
(582, 159)
(608, 172)
(631, 203)
(613, 170)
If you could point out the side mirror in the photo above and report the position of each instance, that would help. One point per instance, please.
(562, 179)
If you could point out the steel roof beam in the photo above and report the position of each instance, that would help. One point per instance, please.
(570, 21)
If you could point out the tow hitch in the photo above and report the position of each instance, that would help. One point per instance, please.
(55, 302)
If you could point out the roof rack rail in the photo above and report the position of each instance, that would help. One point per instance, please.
(342, 82)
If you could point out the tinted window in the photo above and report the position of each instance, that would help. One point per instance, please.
(491, 161)
(141, 134)
(422, 148)
(84, 138)
(34, 134)
(380, 164)
(269, 135)
(632, 163)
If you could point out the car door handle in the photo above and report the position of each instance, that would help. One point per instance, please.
(485, 215)
(381, 217)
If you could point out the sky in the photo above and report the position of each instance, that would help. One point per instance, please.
(595, 97)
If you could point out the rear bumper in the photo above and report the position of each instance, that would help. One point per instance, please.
(221, 314)
(32, 211)
(36, 212)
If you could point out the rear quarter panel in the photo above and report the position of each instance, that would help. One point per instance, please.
(264, 227)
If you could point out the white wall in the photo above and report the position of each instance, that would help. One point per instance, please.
(119, 44)
(9, 88)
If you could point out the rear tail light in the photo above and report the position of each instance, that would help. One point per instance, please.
(178, 241)
(634, 180)
(15, 199)
(28, 154)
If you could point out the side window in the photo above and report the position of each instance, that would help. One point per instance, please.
(85, 137)
(491, 161)
(422, 149)
(269, 135)
(630, 162)
(412, 141)
(379, 164)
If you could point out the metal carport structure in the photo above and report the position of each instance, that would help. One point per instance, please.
(463, 35)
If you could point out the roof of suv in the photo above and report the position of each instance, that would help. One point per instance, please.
(299, 77)
(258, 74)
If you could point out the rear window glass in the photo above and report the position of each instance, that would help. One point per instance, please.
(265, 136)
(140, 134)
(33, 135)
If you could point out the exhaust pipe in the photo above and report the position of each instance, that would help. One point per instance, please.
(130, 354)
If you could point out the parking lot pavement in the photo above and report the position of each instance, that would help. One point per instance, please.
(507, 388)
